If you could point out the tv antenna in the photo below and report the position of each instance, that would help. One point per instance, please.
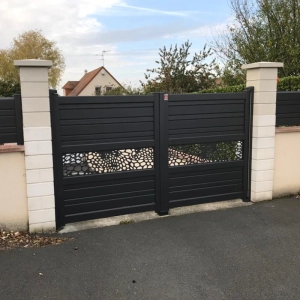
(103, 52)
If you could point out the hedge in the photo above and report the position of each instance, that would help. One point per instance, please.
(291, 83)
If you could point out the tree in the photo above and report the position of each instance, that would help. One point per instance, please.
(264, 30)
(180, 73)
(28, 45)
(124, 90)
(9, 88)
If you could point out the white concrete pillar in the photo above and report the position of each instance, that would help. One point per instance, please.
(263, 76)
(38, 143)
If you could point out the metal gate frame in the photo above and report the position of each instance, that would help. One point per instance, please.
(161, 146)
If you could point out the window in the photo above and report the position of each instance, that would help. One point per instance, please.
(98, 90)
(108, 88)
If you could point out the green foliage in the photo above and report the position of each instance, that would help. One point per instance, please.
(224, 89)
(264, 30)
(124, 90)
(211, 152)
(178, 72)
(9, 88)
(31, 45)
(291, 83)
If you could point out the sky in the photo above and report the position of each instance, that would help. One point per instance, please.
(132, 31)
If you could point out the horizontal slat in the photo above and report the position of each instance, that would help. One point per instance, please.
(205, 102)
(205, 109)
(8, 121)
(208, 131)
(289, 115)
(281, 96)
(202, 192)
(108, 213)
(206, 166)
(204, 185)
(105, 99)
(103, 106)
(109, 204)
(217, 96)
(191, 179)
(288, 122)
(106, 128)
(106, 113)
(5, 130)
(7, 113)
(206, 199)
(7, 104)
(106, 146)
(108, 176)
(205, 116)
(109, 189)
(103, 136)
(205, 139)
(107, 197)
(288, 109)
(90, 141)
(8, 138)
(102, 180)
(206, 123)
(106, 121)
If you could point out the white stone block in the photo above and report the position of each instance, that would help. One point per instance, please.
(38, 162)
(262, 164)
(41, 216)
(263, 143)
(46, 175)
(34, 74)
(262, 74)
(40, 189)
(263, 85)
(32, 176)
(34, 89)
(41, 203)
(43, 227)
(36, 119)
(263, 121)
(260, 176)
(263, 131)
(262, 196)
(258, 154)
(37, 134)
(261, 186)
(264, 97)
(39, 175)
(36, 104)
(264, 109)
(38, 147)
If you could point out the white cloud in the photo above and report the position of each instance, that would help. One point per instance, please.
(76, 28)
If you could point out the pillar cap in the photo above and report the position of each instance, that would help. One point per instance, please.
(262, 64)
(37, 63)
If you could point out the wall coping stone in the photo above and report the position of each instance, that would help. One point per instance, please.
(262, 64)
(287, 129)
(11, 147)
(33, 63)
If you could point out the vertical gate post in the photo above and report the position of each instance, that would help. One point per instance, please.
(263, 77)
(38, 144)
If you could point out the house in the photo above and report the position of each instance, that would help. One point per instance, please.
(96, 82)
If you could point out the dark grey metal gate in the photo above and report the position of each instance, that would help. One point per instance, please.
(116, 155)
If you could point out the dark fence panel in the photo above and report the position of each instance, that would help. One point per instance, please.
(288, 109)
(11, 124)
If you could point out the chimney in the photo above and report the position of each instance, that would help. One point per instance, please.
(85, 71)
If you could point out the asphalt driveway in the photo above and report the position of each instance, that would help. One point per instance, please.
(250, 252)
